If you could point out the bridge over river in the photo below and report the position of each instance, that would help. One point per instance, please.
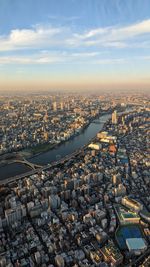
(40, 168)
(62, 152)
(33, 166)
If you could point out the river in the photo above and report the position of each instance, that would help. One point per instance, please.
(61, 150)
(73, 144)
(58, 152)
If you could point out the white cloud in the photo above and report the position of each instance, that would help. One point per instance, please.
(133, 30)
(120, 33)
(64, 57)
(31, 38)
(110, 61)
(48, 37)
(29, 60)
(112, 36)
(92, 33)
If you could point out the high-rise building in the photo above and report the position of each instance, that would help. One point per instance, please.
(46, 116)
(114, 180)
(120, 190)
(54, 202)
(13, 215)
(61, 105)
(54, 106)
(123, 120)
(114, 117)
(46, 135)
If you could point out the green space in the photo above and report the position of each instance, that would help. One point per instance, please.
(41, 148)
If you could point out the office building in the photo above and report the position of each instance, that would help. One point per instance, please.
(114, 117)
(54, 106)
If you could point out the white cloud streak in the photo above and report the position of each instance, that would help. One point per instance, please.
(118, 37)
(52, 58)
(56, 44)
(47, 37)
(31, 38)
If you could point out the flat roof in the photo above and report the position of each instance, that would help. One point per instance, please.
(135, 243)
(131, 200)
(128, 215)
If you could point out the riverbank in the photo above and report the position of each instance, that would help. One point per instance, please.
(41, 148)
(31, 152)
(63, 149)
(34, 151)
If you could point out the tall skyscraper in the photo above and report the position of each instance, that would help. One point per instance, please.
(54, 106)
(114, 117)
(114, 179)
(46, 116)
(61, 105)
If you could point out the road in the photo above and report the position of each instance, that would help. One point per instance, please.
(44, 168)
(49, 166)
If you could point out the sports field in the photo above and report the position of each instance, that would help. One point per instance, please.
(127, 231)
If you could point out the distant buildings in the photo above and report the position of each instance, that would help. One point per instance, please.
(54, 106)
(74, 213)
(33, 124)
(105, 137)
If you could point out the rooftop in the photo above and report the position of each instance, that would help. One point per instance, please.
(135, 243)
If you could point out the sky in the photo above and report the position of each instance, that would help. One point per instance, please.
(74, 44)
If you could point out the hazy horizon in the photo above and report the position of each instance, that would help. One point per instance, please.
(74, 45)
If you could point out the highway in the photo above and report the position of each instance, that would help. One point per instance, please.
(137, 262)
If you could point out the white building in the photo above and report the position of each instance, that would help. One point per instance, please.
(114, 117)
(96, 146)
(136, 245)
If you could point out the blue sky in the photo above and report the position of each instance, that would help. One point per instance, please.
(74, 44)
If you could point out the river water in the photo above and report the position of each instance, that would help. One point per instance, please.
(58, 152)
(13, 169)
(73, 144)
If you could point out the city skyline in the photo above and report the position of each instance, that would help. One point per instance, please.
(74, 45)
(74, 180)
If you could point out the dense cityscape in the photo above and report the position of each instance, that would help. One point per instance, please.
(28, 121)
(74, 133)
(91, 208)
